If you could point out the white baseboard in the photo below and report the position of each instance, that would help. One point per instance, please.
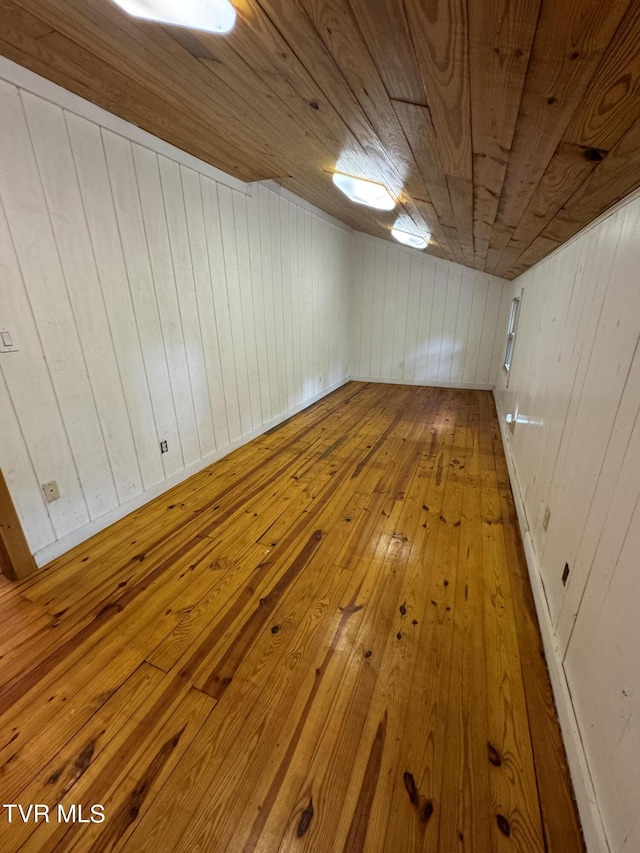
(592, 824)
(60, 546)
(388, 381)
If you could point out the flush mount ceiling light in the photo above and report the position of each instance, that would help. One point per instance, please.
(213, 16)
(416, 241)
(363, 191)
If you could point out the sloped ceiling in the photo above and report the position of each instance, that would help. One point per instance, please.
(503, 126)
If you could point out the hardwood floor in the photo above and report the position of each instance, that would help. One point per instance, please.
(324, 642)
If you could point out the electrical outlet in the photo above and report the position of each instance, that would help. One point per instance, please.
(50, 491)
(546, 519)
(565, 574)
(164, 447)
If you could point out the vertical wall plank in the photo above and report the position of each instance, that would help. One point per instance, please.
(133, 237)
(204, 297)
(287, 283)
(155, 223)
(267, 246)
(245, 290)
(296, 326)
(463, 322)
(257, 290)
(221, 305)
(278, 301)
(490, 330)
(95, 188)
(400, 326)
(180, 250)
(303, 284)
(450, 345)
(236, 323)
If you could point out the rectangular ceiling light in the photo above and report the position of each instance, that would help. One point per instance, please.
(363, 191)
(416, 241)
(213, 16)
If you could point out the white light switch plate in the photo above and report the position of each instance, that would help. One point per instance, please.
(7, 340)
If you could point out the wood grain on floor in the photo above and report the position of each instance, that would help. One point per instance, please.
(324, 642)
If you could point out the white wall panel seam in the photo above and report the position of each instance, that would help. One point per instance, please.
(128, 277)
(613, 424)
(211, 286)
(181, 169)
(101, 284)
(171, 249)
(153, 282)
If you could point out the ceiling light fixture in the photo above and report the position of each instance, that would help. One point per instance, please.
(363, 191)
(213, 16)
(416, 241)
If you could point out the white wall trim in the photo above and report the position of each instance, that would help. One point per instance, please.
(76, 537)
(423, 383)
(32, 82)
(590, 816)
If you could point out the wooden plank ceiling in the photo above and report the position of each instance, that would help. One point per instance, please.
(503, 127)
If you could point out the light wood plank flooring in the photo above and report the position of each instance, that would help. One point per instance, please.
(324, 642)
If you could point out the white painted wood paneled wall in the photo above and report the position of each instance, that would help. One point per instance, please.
(149, 303)
(417, 319)
(575, 389)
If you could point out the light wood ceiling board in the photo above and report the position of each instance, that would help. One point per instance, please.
(569, 44)
(336, 26)
(461, 194)
(23, 26)
(614, 178)
(539, 249)
(612, 102)
(303, 149)
(441, 40)
(384, 26)
(569, 168)
(149, 56)
(418, 129)
(297, 30)
(440, 36)
(447, 238)
(256, 51)
(501, 35)
(500, 237)
(59, 59)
